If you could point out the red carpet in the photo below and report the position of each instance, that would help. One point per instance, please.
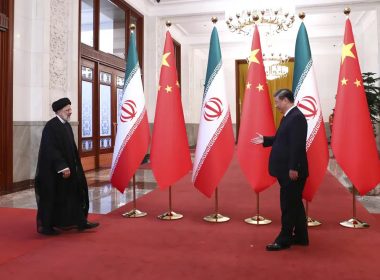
(377, 216)
(147, 248)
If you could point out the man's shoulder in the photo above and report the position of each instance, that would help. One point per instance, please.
(296, 112)
(293, 111)
(52, 123)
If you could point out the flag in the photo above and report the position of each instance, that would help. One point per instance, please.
(215, 144)
(353, 140)
(132, 137)
(307, 99)
(257, 117)
(170, 154)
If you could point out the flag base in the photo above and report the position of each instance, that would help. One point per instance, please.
(134, 213)
(257, 220)
(170, 216)
(354, 223)
(312, 223)
(216, 218)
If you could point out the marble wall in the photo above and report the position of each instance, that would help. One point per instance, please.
(26, 144)
(26, 136)
(45, 69)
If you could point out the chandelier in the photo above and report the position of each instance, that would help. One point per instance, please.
(272, 17)
(277, 20)
(278, 15)
(275, 67)
(274, 60)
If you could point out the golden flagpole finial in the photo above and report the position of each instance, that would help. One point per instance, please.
(168, 24)
(255, 18)
(132, 27)
(214, 20)
(302, 15)
(347, 11)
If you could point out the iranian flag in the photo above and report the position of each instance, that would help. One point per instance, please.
(215, 144)
(132, 137)
(307, 99)
(353, 140)
(257, 117)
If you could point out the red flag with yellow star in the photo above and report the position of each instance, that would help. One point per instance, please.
(170, 154)
(353, 139)
(257, 117)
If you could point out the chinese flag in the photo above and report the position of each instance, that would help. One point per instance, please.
(353, 140)
(257, 117)
(170, 154)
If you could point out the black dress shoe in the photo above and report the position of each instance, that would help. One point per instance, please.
(276, 247)
(48, 231)
(88, 225)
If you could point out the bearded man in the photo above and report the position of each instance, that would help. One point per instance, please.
(60, 184)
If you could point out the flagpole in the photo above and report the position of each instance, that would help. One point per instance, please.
(216, 217)
(134, 213)
(310, 221)
(354, 222)
(170, 215)
(354, 166)
(127, 155)
(257, 219)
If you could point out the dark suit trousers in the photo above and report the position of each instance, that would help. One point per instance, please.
(293, 217)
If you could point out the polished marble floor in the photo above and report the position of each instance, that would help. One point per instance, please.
(104, 198)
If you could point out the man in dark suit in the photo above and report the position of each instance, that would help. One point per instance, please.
(60, 185)
(288, 163)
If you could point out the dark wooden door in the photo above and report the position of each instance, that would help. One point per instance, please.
(100, 94)
(6, 58)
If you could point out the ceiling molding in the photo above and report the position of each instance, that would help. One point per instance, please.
(319, 8)
(325, 20)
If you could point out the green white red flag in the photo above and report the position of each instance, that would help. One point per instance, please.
(132, 138)
(307, 99)
(215, 144)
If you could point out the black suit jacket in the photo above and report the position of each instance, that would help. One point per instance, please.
(289, 146)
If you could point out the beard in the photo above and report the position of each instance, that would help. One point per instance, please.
(66, 118)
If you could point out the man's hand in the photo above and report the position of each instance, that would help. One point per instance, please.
(66, 173)
(259, 139)
(293, 175)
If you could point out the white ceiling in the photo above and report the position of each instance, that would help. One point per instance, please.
(324, 18)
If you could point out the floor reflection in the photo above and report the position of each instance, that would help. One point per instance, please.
(370, 202)
(103, 197)
(338, 173)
